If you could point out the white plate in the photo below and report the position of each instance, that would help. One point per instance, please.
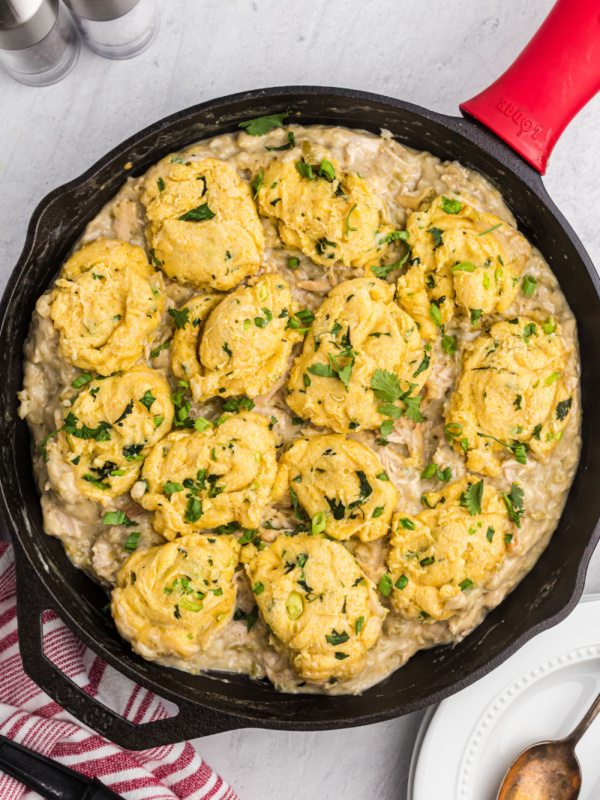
(466, 745)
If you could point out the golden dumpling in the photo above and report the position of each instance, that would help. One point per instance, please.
(203, 225)
(111, 427)
(330, 215)
(459, 257)
(322, 611)
(510, 397)
(106, 303)
(341, 480)
(204, 478)
(174, 599)
(446, 551)
(246, 343)
(189, 325)
(360, 340)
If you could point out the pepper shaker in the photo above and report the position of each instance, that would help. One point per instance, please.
(38, 41)
(116, 29)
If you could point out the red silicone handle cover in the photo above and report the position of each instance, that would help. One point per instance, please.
(532, 103)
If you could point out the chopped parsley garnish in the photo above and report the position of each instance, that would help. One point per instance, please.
(451, 206)
(98, 484)
(407, 524)
(294, 497)
(378, 512)
(336, 638)
(475, 314)
(126, 412)
(514, 504)
(160, 348)
(360, 622)
(193, 510)
(386, 386)
(422, 366)
(471, 498)
(441, 474)
(341, 656)
(148, 399)
(180, 318)
(161, 185)
(437, 236)
(262, 125)
(489, 534)
(198, 214)
(172, 487)
(257, 183)
(563, 408)
(100, 434)
(226, 349)
(132, 452)
(327, 171)
(366, 490)
(449, 344)
(234, 404)
(291, 142)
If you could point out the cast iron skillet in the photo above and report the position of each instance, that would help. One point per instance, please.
(46, 578)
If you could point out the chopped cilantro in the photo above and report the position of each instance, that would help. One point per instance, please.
(471, 499)
(451, 206)
(262, 125)
(198, 214)
(180, 318)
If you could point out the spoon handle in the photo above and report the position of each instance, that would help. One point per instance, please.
(590, 715)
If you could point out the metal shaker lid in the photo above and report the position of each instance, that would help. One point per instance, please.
(24, 23)
(100, 10)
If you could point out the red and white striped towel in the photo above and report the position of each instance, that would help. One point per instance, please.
(30, 717)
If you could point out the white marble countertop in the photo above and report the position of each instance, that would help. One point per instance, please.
(435, 54)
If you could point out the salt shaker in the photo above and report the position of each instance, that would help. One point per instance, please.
(38, 41)
(116, 28)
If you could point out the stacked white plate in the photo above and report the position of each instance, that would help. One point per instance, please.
(467, 743)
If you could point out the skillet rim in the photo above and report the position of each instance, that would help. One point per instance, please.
(476, 136)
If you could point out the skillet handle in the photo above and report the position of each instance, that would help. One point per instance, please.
(558, 72)
(191, 722)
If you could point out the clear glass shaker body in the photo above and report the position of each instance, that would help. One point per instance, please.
(48, 60)
(123, 37)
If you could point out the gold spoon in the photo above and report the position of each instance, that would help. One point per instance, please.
(548, 770)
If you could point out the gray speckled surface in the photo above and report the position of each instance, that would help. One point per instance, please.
(434, 54)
